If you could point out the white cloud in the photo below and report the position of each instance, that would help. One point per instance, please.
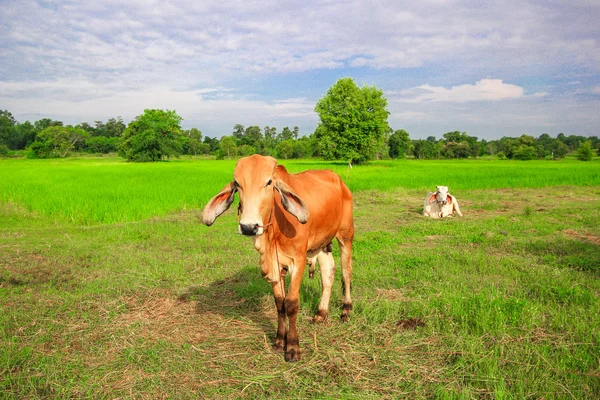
(482, 90)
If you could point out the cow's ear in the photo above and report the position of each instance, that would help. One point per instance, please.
(432, 198)
(449, 199)
(292, 202)
(219, 204)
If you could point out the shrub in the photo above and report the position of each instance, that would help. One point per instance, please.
(584, 152)
(39, 150)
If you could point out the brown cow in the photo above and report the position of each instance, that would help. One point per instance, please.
(292, 219)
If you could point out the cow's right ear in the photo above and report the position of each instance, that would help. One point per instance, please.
(219, 204)
(432, 198)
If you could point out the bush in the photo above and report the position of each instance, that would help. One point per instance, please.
(39, 150)
(4, 150)
(501, 155)
(584, 152)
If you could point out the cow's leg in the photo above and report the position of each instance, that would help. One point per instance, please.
(327, 266)
(292, 304)
(456, 208)
(346, 255)
(279, 292)
(312, 261)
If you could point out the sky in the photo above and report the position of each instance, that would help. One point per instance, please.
(488, 68)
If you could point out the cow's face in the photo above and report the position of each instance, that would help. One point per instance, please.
(254, 180)
(441, 195)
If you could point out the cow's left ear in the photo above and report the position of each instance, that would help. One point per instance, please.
(292, 202)
(449, 199)
(219, 204)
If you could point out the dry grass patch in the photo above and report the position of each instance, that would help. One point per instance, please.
(587, 237)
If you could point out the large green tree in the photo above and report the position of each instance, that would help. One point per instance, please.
(353, 121)
(154, 135)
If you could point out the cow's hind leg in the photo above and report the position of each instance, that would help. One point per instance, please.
(346, 256)
(327, 266)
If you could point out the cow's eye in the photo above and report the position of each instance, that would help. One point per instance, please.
(270, 181)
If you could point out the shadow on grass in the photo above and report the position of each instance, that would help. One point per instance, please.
(244, 296)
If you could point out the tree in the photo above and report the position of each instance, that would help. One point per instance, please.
(584, 151)
(102, 144)
(213, 144)
(57, 141)
(296, 132)
(227, 147)
(252, 135)
(152, 136)
(285, 134)
(115, 127)
(352, 123)
(285, 149)
(525, 153)
(558, 149)
(424, 149)
(193, 140)
(246, 150)
(7, 127)
(491, 148)
(456, 150)
(399, 143)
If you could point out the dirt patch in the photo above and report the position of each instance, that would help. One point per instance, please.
(392, 294)
(588, 237)
(410, 323)
(432, 238)
(25, 268)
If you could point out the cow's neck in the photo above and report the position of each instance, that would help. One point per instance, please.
(266, 245)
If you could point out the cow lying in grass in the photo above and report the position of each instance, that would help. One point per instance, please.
(292, 219)
(440, 204)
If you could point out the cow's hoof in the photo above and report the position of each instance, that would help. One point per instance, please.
(279, 345)
(346, 308)
(292, 356)
(320, 317)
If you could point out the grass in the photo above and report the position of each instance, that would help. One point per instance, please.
(88, 191)
(502, 303)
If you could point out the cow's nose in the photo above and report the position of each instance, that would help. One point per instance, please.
(249, 229)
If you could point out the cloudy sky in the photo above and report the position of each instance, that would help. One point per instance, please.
(490, 68)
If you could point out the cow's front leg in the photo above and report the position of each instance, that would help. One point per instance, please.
(279, 292)
(292, 304)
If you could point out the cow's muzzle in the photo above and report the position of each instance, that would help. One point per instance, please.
(251, 229)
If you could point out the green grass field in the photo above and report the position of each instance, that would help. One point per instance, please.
(110, 286)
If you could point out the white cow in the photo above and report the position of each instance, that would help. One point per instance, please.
(440, 204)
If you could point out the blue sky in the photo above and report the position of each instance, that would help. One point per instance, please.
(490, 68)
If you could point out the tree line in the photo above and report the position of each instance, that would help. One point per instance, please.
(352, 127)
